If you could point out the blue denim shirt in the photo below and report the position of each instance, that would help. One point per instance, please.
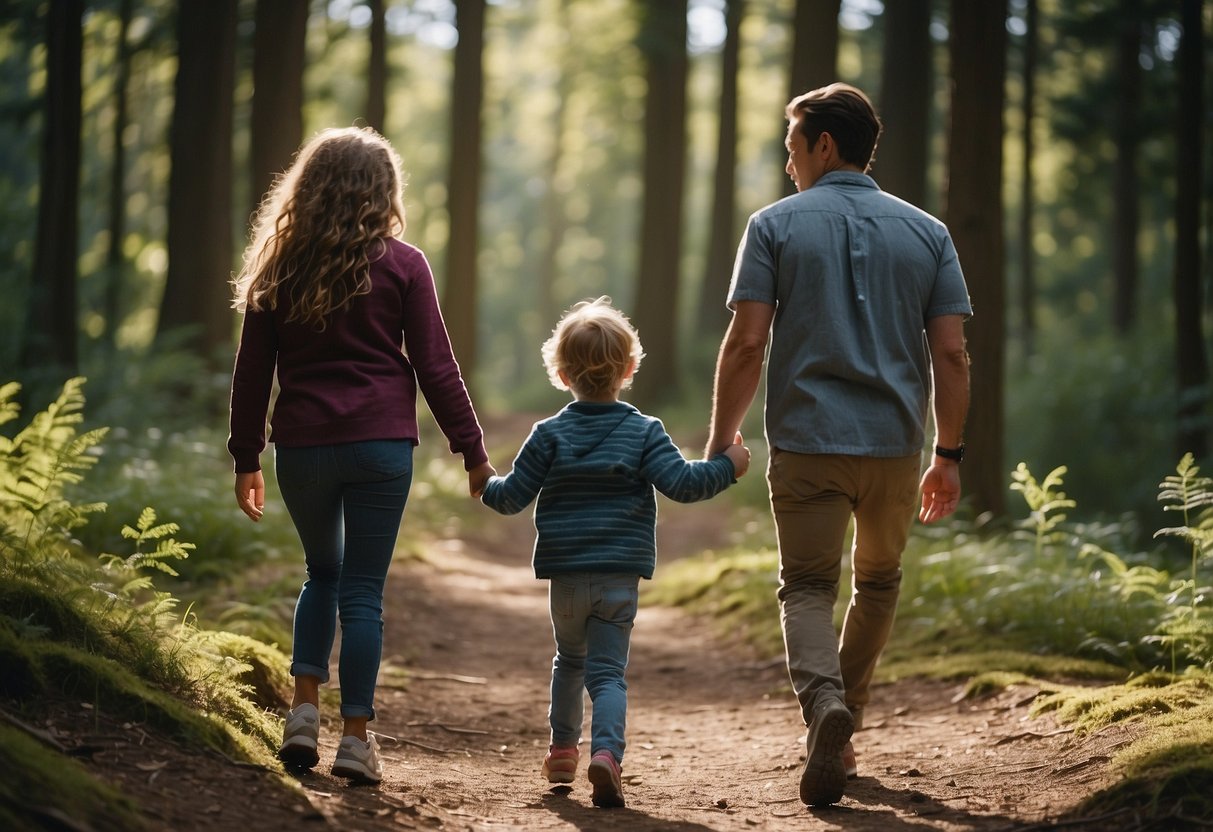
(854, 274)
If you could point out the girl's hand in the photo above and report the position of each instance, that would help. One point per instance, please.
(250, 494)
(478, 478)
(740, 455)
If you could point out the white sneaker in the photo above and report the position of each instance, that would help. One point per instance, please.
(300, 736)
(358, 760)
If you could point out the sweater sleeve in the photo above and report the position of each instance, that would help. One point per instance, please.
(515, 491)
(252, 382)
(429, 350)
(680, 479)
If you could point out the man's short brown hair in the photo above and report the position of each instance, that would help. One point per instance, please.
(846, 114)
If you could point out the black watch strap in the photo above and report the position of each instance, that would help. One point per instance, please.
(954, 454)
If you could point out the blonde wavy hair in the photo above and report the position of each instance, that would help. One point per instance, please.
(595, 345)
(321, 224)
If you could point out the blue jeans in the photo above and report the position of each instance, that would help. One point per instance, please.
(346, 502)
(592, 617)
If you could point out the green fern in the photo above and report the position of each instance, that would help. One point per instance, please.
(1188, 492)
(37, 464)
(1045, 501)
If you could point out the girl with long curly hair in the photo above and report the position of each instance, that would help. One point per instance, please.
(346, 315)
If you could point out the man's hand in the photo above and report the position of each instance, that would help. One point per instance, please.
(478, 478)
(940, 491)
(250, 494)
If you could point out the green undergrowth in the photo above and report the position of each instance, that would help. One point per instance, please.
(1167, 770)
(99, 628)
(1109, 633)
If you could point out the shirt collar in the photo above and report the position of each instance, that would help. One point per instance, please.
(847, 177)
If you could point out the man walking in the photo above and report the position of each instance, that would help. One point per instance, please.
(862, 298)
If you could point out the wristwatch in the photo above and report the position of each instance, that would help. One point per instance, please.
(955, 454)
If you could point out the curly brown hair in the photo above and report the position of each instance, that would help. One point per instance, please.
(321, 224)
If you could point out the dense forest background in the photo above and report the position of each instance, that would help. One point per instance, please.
(563, 149)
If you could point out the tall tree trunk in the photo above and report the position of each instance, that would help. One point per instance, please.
(196, 290)
(50, 337)
(1027, 199)
(718, 270)
(1127, 130)
(463, 189)
(978, 46)
(814, 51)
(1192, 366)
(376, 73)
(553, 201)
(905, 100)
(662, 39)
(115, 259)
(279, 57)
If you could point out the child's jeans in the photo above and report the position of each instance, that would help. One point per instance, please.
(346, 502)
(592, 616)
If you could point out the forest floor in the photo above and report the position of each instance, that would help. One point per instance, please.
(715, 741)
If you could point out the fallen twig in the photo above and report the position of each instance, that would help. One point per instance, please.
(454, 729)
(41, 736)
(1035, 734)
(1098, 758)
(447, 677)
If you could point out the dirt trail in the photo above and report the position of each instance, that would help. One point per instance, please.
(714, 739)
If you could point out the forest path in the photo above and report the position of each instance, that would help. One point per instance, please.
(715, 741)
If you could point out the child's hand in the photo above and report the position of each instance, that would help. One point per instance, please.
(478, 478)
(740, 455)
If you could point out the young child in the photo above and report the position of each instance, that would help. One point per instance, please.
(593, 467)
(329, 294)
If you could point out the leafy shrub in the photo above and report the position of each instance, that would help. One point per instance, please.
(68, 620)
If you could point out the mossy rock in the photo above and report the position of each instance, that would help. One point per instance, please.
(42, 789)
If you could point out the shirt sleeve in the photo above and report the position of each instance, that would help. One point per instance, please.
(949, 295)
(680, 479)
(515, 491)
(438, 376)
(252, 382)
(755, 270)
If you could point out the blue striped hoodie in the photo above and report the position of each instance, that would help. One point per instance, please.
(594, 467)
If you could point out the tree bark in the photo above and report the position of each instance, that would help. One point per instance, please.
(974, 215)
(196, 292)
(376, 74)
(1192, 366)
(1027, 200)
(279, 57)
(1127, 130)
(553, 201)
(814, 51)
(718, 270)
(50, 338)
(463, 189)
(905, 100)
(115, 259)
(662, 40)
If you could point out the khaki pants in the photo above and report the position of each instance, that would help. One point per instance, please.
(813, 498)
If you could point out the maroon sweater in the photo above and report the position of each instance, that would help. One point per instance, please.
(351, 381)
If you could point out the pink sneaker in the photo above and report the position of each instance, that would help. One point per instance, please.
(604, 775)
(560, 765)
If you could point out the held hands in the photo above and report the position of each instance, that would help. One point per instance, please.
(478, 478)
(940, 491)
(740, 455)
(250, 494)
